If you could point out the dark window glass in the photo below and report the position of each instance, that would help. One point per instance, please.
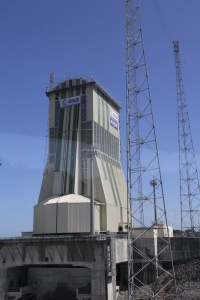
(83, 90)
(63, 85)
(77, 81)
(57, 112)
(63, 95)
(78, 91)
(83, 109)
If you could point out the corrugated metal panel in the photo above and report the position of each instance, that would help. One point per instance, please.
(113, 217)
(50, 211)
(44, 219)
(97, 217)
(62, 218)
(39, 220)
(78, 217)
(57, 183)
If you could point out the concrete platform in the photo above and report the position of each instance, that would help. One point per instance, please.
(62, 267)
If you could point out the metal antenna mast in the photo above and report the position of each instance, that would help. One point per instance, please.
(145, 191)
(189, 181)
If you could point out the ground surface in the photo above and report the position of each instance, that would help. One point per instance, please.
(187, 284)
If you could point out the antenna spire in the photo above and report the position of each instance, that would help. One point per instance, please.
(146, 202)
(189, 181)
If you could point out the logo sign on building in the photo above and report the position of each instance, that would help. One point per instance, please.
(114, 114)
(70, 101)
(113, 123)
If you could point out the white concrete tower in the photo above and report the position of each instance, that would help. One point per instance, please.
(82, 115)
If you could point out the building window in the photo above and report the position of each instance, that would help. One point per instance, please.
(86, 135)
(78, 81)
(84, 89)
(106, 142)
(57, 112)
(63, 95)
(83, 109)
(78, 91)
(71, 92)
(52, 144)
(63, 85)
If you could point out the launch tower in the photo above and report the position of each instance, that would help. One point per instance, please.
(82, 116)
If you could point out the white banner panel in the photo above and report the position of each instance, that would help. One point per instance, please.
(70, 101)
(114, 114)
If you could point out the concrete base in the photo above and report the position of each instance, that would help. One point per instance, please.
(61, 267)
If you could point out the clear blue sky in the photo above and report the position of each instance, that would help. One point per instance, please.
(87, 37)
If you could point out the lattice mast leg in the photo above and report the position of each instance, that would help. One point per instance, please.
(189, 181)
(147, 213)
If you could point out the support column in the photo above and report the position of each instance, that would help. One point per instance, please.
(111, 269)
(103, 273)
(98, 284)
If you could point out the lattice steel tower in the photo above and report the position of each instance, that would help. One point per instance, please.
(189, 181)
(147, 213)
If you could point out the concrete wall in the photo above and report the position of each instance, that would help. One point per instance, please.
(3, 287)
(183, 248)
(60, 266)
(58, 283)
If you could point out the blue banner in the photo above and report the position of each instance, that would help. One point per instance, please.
(113, 123)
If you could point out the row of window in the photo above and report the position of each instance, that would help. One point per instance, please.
(106, 142)
(71, 92)
(72, 82)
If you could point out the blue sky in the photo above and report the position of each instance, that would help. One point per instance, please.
(87, 37)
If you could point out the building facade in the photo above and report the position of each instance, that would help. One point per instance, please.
(61, 259)
(82, 117)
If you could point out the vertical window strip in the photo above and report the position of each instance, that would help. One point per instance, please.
(71, 129)
(66, 148)
(71, 176)
(95, 134)
(111, 183)
(115, 184)
(75, 131)
(106, 143)
(78, 91)
(59, 140)
(63, 95)
(108, 117)
(103, 114)
(104, 170)
(99, 99)
(70, 153)
(121, 214)
(83, 109)
(57, 112)
(100, 136)
(98, 141)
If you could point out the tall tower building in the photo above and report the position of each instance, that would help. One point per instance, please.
(82, 116)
